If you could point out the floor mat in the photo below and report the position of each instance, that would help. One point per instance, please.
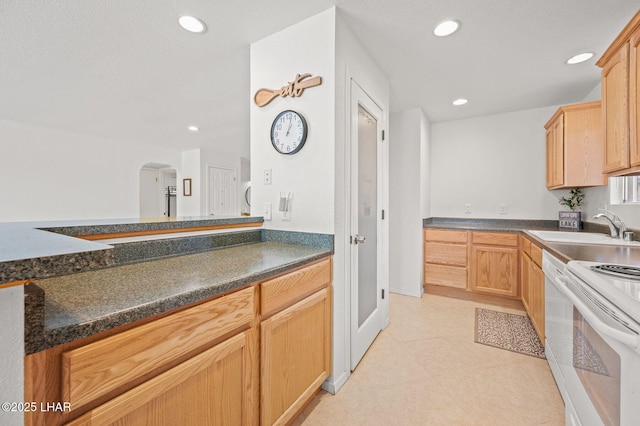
(507, 331)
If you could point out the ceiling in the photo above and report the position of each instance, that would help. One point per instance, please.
(126, 70)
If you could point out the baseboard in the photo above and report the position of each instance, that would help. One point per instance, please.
(460, 293)
(407, 293)
(333, 385)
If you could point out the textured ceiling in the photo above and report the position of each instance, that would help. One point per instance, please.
(125, 69)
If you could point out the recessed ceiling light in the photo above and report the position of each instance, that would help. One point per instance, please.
(460, 101)
(193, 128)
(581, 57)
(192, 24)
(446, 28)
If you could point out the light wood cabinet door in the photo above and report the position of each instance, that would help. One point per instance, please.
(551, 171)
(536, 291)
(615, 104)
(557, 164)
(634, 98)
(525, 267)
(494, 270)
(295, 357)
(212, 388)
(555, 152)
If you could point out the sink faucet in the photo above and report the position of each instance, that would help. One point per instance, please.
(616, 226)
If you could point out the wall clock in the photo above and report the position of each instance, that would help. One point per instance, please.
(288, 132)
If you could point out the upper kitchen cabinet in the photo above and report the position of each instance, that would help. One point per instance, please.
(620, 74)
(574, 147)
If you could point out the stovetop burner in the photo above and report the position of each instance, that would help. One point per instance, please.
(620, 271)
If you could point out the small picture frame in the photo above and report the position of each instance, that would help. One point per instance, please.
(186, 187)
(570, 220)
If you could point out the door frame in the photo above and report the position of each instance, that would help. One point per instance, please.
(382, 224)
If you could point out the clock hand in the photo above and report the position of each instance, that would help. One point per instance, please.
(290, 123)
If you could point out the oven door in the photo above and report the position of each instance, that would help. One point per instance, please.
(604, 383)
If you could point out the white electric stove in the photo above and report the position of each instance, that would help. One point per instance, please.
(592, 329)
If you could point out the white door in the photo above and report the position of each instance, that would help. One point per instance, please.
(366, 216)
(222, 191)
(149, 193)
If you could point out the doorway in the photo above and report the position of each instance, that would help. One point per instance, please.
(157, 191)
(222, 192)
(366, 256)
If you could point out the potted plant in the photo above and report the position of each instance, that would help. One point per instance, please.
(572, 219)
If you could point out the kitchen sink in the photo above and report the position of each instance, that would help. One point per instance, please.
(581, 238)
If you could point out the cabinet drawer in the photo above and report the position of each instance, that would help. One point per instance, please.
(536, 254)
(495, 239)
(283, 291)
(212, 388)
(98, 368)
(445, 236)
(445, 254)
(449, 276)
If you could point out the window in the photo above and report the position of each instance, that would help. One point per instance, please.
(625, 190)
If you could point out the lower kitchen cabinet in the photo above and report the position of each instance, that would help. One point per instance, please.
(532, 279)
(295, 342)
(188, 358)
(254, 356)
(494, 263)
(212, 388)
(536, 311)
(445, 257)
(525, 284)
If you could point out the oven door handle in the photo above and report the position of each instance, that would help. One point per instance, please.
(625, 338)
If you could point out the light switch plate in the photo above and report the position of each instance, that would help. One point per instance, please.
(267, 176)
(266, 214)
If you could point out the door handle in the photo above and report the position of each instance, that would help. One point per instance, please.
(359, 239)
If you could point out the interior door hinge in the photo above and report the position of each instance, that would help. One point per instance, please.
(383, 135)
(383, 293)
(382, 214)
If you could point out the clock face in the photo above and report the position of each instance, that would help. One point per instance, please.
(288, 132)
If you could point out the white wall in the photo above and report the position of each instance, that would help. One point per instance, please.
(307, 47)
(12, 353)
(190, 169)
(50, 174)
(425, 167)
(407, 199)
(318, 174)
(492, 160)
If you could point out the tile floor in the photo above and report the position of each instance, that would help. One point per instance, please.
(425, 369)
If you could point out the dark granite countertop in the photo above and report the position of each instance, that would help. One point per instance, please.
(563, 251)
(82, 304)
(43, 249)
(493, 225)
(140, 225)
